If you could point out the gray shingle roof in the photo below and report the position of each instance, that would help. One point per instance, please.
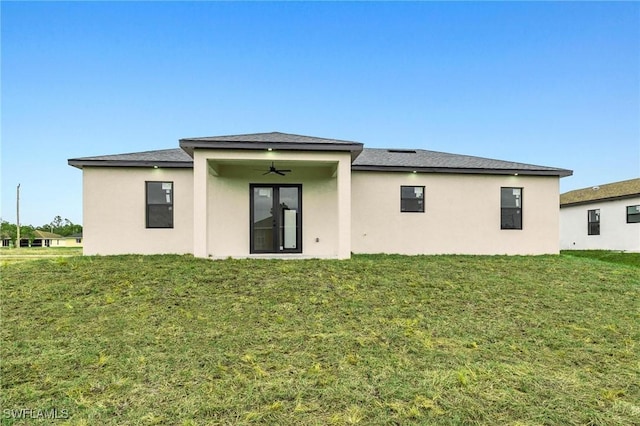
(272, 137)
(374, 159)
(273, 140)
(164, 158)
(434, 161)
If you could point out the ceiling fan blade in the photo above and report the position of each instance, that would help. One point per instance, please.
(279, 172)
(266, 173)
(285, 170)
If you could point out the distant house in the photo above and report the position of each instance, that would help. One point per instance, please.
(284, 195)
(73, 240)
(45, 239)
(42, 239)
(604, 217)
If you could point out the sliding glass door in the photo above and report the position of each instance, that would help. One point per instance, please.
(276, 218)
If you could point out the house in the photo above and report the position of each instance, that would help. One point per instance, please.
(41, 239)
(73, 240)
(604, 217)
(291, 196)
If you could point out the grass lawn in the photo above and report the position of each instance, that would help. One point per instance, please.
(12, 255)
(607, 256)
(443, 340)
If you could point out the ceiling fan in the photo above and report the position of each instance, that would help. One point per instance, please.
(272, 169)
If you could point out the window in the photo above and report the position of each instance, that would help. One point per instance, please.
(633, 214)
(159, 204)
(510, 208)
(412, 199)
(593, 222)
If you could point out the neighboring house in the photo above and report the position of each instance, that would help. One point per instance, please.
(604, 217)
(284, 195)
(42, 239)
(45, 239)
(73, 240)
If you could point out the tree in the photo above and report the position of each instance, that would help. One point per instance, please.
(62, 227)
(8, 230)
(56, 222)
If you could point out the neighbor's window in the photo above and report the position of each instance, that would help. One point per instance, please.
(510, 208)
(633, 214)
(593, 222)
(412, 199)
(159, 204)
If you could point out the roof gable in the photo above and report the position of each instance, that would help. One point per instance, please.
(272, 137)
(272, 140)
(609, 191)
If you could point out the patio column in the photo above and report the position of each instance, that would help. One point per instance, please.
(200, 214)
(344, 207)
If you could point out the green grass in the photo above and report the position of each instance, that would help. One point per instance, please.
(7, 251)
(607, 256)
(443, 340)
(22, 254)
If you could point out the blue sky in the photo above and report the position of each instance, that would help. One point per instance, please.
(555, 84)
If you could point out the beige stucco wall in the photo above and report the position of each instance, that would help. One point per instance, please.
(65, 242)
(615, 232)
(343, 211)
(462, 215)
(114, 211)
(222, 200)
(71, 242)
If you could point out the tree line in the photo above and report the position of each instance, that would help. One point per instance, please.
(58, 225)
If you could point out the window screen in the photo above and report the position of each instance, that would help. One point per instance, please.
(159, 204)
(510, 208)
(593, 222)
(633, 214)
(412, 199)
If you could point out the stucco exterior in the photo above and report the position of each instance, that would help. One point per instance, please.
(66, 242)
(114, 211)
(462, 215)
(229, 200)
(221, 203)
(615, 232)
(71, 242)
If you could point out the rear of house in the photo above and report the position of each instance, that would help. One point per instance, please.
(603, 217)
(292, 196)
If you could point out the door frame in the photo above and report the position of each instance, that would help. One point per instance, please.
(275, 187)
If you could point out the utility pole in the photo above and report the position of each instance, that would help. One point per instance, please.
(18, 216)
